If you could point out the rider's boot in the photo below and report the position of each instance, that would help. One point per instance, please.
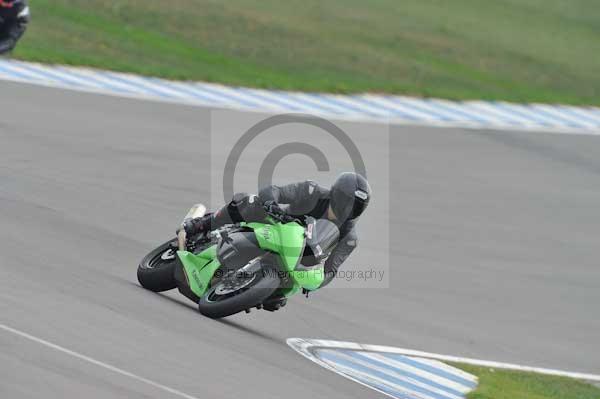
(235, 211)
(207, 223)
(274, 303)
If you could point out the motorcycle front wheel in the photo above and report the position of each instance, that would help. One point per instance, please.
(156, 272)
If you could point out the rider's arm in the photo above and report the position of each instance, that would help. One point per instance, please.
(301, 196)
(280, 194)
(340, 253)
(14, 31)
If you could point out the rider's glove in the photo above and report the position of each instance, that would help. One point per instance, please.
(195, 226)
(188, 226)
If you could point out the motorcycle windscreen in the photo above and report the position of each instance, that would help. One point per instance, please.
(195, 211)
(322, 236)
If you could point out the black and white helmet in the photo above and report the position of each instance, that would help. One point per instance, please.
(9, 3)
(14, 8)
(350, 196)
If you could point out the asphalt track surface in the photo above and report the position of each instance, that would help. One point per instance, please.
(495, 239)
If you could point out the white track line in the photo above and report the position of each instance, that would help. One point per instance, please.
(306, 346)
(95, 362)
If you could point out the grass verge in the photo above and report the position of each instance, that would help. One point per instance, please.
(507, 384)
(519, 50)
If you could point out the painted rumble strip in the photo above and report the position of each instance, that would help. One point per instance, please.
(363, 107)
(404, 373)
(396, 375)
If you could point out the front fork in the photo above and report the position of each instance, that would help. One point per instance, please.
(182, 240)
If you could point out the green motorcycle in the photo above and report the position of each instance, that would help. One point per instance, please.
(244, 265)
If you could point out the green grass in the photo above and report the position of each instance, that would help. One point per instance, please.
(506, 384)
(520, 50)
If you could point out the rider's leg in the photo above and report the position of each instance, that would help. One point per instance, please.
(230, 213)
(207, 223)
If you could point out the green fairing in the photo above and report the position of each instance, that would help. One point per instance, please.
(199, 268)
(309, 279)
(287, 240)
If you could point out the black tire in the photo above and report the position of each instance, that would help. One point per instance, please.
(262, 287)
(156, 273)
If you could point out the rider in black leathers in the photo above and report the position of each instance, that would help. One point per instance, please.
(342, 204)
(14, 16)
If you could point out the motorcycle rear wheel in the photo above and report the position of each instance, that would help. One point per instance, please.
(225, 300)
